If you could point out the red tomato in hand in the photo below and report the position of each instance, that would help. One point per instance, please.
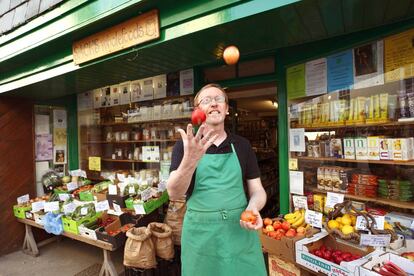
(248, 216)
(198, 117)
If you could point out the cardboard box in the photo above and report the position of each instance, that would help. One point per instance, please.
(278, 267)
(403, 263)
(117, 240)
(149, 205)
(72, 226)
(100, 196)
(314, 263)
(117, 199)
(283, 249)
(87, 232)
(38, 218)
(20, 211)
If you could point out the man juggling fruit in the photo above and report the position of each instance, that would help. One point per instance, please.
(215, 169)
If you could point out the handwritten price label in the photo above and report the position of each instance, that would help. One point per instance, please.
(300, 202)
(23, 199)
(375, 240)
(139, 209)
(313, 218)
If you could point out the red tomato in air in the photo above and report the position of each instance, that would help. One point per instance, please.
(248, 216)
(198, 117)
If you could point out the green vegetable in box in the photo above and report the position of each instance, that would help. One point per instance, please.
(101, 186)
(131, 189)
(81, 212)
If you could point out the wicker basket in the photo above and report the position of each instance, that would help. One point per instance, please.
(355, 236)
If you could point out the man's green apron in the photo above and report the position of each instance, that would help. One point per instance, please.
(213, 242)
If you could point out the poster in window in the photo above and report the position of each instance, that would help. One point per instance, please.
(44, 147)
(59, 136)
(187, 82)
(160, 86)
(59, 155)
(59, 118)
(85, 100)
(340, 71)
(296, 82)
(124, 90)
(106, 97)
(368, 65)
(316, 77)
(399, 56)
(97, 94)
(115, 95)
(135, 91)
(147, 89)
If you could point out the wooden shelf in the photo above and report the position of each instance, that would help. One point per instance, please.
(186, 118)
(331, 159)
(379, 124)
(384, 201)
(132, 142)
(126, 161)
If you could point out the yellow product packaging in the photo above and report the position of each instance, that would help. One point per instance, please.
(351, 110)
(384, 106)
(376, 107)
(318, 202)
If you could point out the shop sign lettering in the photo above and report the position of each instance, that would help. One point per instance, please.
(135, 31)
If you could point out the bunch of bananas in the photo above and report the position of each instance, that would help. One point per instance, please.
(296, 219)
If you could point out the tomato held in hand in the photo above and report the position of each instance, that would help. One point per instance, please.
(198, 117)
(248, 216)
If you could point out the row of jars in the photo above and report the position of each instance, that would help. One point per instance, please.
(136, 154)
(146, 134)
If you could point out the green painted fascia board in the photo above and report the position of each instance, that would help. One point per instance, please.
(84, 15)
(229, 14)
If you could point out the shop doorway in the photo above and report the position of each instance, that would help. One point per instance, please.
(253, 115)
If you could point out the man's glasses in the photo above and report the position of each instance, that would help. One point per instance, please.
(208, 100)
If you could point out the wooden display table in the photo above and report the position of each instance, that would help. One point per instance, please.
(30, 246)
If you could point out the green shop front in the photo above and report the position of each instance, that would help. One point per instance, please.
(102, 86)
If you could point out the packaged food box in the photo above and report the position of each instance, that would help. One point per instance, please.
(385, 148)
(321, 178)
(318, 202)
(374, 147)
(361, 148)
(349, 148)
(403, 148)
(336, 148)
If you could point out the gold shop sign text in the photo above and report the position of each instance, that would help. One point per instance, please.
(135, 31)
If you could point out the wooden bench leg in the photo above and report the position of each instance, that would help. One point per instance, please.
(29, 243)
(108, 268)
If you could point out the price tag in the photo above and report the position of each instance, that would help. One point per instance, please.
(72, 186)
(313, 218)
(139, 209)
(300, 202)
(51, 206)
(120, 177)
(293, 164)
(375, 240)
(64, 197)
(151, 153)
(117, 208)
(162, 186)
(23, 199)
(79, 173)
(84, 211)
(146, 194)
(131, 190)
(361, 223)
(112, 190)
(37, 206)
(333, 198)
(101, 206)
(69, 208)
